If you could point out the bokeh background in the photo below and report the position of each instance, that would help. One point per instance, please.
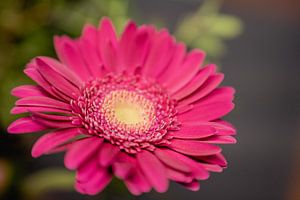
(255, 43)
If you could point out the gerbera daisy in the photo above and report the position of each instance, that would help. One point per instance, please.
(138, 107)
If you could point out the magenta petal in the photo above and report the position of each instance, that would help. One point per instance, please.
(97, 182)
(25, 125)
(174, 65)
(194, 148)
(210, 84)
(28, 90)
(188, 70)
(223, 139)
(62, 69)
(195, 83)
(37, 77)
(212, 167)
(69, 53)
(193, 131)
(43, 102)
(124, 165)
(107, 154)
(153, 170)
(88, 44)
(57, 80)
(217, 159)
(171, 160)
(197, 170)
(108, 44)
(137, 182)
(26, 109)
(159, 55)
(80, 151)
(178, 176)
(207, 112)
(52, 140)
(193, 186)
(223, 94)
(85, 172)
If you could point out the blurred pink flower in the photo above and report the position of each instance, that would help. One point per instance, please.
(139, 107)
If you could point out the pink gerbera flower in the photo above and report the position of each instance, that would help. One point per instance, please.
(138, 107)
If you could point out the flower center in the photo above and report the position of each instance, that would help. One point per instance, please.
(129, 111)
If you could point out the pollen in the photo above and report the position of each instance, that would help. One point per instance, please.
(128, 110)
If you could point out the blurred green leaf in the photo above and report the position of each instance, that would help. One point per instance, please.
(48, 180)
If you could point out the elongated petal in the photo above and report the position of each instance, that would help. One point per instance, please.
(194, 131)
(194, 148)
(41, 101)
(107, 154)
(52, 140)
(27, 91)
(153, 170)
(69, 53)
(80, 151)
(25, 125)
(196, 82)
(207, 112)
(189, 69)
(211, 83)
(171, 160)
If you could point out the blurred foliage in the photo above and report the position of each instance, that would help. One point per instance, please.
(46, 180)
(27, 28)
(207, 29)
(5, 175)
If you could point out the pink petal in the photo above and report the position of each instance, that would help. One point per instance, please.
(224, 139)
(53, 123)
(211, 83)
(108, 44)
(194, 148)
(62, 69)
(159, 55)
(57, 80)
(223, 94)
(197, 170)
(217, 159)
(80, 151)
(212, 167)
(25, 109)
(107, 154)
(124, 165)
(28, 90)
(153, 170)
(137, 183)
(88, 44)
(175, 63)
(85, 172)
(193, 131)
(186, 72)
(37, 77)
(193, 186)
(69, 53)
(126, 43)
(178, 176)
(139, 49)
(96, 184)
(41, 101)
(195, 83)
(25, 125)
(207, 112)
(52, 140)
(171, 160)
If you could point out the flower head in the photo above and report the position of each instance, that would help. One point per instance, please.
(138, 107)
